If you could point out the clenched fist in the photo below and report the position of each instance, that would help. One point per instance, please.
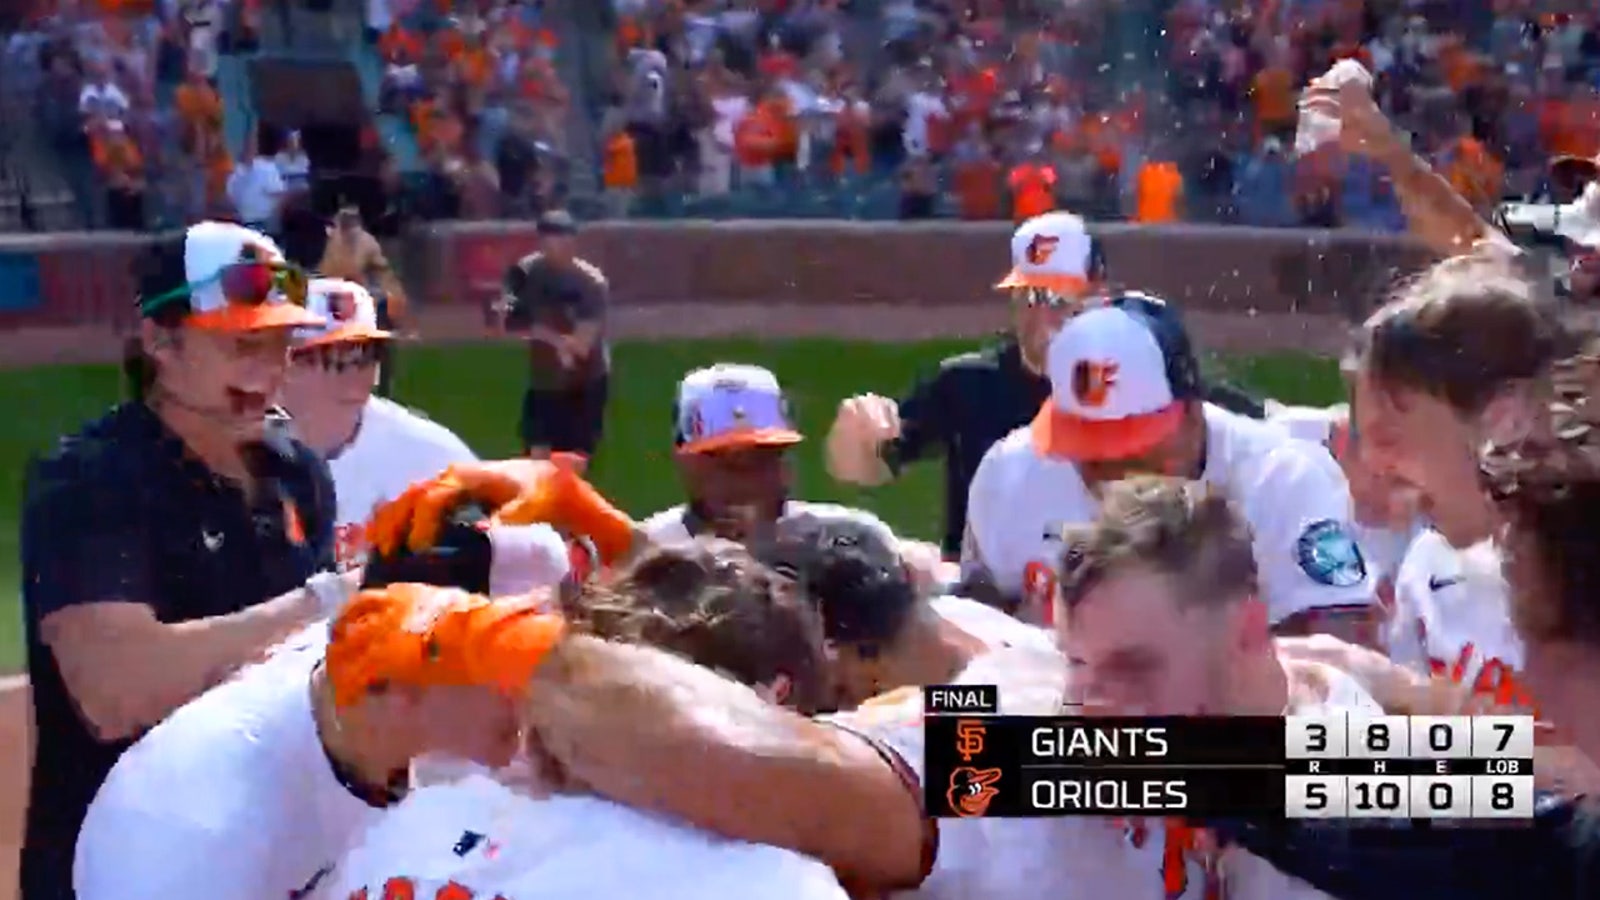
(860, 428)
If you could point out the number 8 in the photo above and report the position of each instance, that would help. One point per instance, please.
(1378, 736)
(1501, 797)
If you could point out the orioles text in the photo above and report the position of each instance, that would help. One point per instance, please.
(1120, 796)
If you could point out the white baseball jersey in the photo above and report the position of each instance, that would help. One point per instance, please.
(1069, 858)
(490, 840)
(1292, 493)
(1452, 618)
(990, 625)
(1381, 548)
(230, 798)
(393, 448)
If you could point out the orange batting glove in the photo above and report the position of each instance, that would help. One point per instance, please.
(567, 501)
(417, 516)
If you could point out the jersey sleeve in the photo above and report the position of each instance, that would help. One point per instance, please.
(924, 420)
(980, 513)
(1304, 538)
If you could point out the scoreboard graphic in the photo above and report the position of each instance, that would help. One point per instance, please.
(1335, 766)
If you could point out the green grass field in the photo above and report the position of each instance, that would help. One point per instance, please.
(476, 390)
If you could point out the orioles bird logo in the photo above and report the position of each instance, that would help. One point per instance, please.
(1040, 249)
(342, 306)
(1092, 381)
(972, 790)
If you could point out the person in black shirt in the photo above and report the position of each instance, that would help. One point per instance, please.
(977, 398)
(174, 538)
(561, 302)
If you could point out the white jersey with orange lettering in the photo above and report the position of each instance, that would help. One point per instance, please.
(1452, 618)
(392, 448)
(1291, 492)
(479, 838)
(990, 625)
(1072, 858)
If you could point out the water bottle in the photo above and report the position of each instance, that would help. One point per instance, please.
(1317, 128)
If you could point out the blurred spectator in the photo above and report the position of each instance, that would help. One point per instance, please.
(100, 97)
(294, 166)
(256, 189)
(517, 160)
(122, 168)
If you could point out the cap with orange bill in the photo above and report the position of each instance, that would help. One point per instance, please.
(223, 277)
(348, 314)
(421, 636)
(732, 407)
(1054, 253)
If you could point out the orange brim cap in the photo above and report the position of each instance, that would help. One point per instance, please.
(253, 317)
(1066, 436)
(748, 439)
(347, 334)
(423, 636)
(1060, 283)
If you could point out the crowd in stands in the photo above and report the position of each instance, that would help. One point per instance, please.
(480, 89)
(984, 116)
(979, 109)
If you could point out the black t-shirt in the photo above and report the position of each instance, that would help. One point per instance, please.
(120, 512)
(560, 297)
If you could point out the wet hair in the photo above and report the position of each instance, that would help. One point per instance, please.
(139, 369)
(1182, 529)
(1547, 488)
(712, 602)
(1462, 331)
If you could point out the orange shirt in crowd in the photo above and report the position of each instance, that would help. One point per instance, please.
(218, 167)
(756, 140)
(785, 131)
(399, 40)
(1272, 92)
(1157, 192)
(116, 154)
(620, 169)
(977, 189)
(975, 94)
(1475, 173)
(851, 146)
(1032, 190)
(474, 64)
(198, 104)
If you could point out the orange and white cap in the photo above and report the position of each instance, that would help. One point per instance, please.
(348, 313)
(225, 277)
(1119, 376)
(732, 407)
(1055, 252)
(423, 636)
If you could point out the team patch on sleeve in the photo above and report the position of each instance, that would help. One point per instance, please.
(1328, 553)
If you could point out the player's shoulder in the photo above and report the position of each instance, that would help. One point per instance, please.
(1012, 453)
(591, 271)
(667, 526)
(414, 426)
(108, 455)
(983, 360)
(1264, 456)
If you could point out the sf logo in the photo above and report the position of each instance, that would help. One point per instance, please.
(969, 738)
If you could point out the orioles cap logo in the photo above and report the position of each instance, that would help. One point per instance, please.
(972, 790)
(1092, 382)
(1040, 249)
(342, 306)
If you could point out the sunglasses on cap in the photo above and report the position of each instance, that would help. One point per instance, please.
(250, 282)
(340, 357)
(1045, 298)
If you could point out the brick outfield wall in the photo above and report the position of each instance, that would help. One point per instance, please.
(81, 279)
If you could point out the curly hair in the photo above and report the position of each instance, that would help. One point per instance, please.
(712, 602)
(1547, 488)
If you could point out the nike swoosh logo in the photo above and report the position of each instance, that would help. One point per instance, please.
(1435, 583)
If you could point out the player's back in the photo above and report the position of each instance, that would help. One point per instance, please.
(497, 841)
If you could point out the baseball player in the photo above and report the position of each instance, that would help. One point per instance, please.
(846, 790)
(1444, 369)
(374, 447)
(733, 436)
(533, 836)
(255, 788)
(975, 399)
(883, 633)
(1126, 399)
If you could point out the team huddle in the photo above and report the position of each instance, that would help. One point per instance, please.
(513, 689)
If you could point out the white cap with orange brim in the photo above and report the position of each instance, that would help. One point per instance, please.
(348, 312)
(1054, 252)
(732, 407)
